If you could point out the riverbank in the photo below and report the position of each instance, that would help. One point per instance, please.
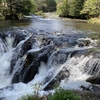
(94, 21)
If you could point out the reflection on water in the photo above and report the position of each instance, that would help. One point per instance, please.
(51, 24)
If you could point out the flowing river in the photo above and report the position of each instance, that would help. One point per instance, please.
(47, 52)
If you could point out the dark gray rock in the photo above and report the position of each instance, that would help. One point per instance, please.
(94, 80)
(64, 73)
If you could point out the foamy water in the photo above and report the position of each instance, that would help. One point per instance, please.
(74, 64)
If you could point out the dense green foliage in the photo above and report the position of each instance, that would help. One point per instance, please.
(51, 5)
(13, 9)
(63, 8)
(79, 8)
(91, 8)
(41, 5)
(57, 1)
(26, 7)
(60, 94)
(70, 8)
(75, 7)
(46, 5)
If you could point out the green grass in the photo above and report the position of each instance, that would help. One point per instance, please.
(31, 97)
(61, 94)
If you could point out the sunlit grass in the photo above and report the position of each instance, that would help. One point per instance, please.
(94, 21)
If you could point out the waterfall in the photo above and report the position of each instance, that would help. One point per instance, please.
(31, 58)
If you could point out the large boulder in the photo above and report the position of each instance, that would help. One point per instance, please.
(30, 65)
(20, 50)
(94, 80)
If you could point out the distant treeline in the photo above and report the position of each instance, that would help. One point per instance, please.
(84, 9)
(14, 9)
(46, 5)
(79, 8)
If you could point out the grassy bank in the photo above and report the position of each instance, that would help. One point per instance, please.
(62, 94)
(94, 21)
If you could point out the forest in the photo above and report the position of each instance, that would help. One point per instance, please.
(83, 9)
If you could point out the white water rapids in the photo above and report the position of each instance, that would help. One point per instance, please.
(75, 65)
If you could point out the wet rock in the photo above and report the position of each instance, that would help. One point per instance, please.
(94, 80)
(3, 36)
(92, 67)
(83, 42)
(31, 65)
(93, 88)
(64, 73)
(96, 54)
(20, 51)
(17, 38)
(30, 71)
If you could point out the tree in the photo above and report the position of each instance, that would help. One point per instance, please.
(41, 5)
(70, 8)
(16, 7)
(26, 7)
(46, 5)
(63, 8)
(91, 8)
(75, 6)
(58, 1)
(51, 5)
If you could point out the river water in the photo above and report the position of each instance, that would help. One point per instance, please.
(51, 24)
(46, 52)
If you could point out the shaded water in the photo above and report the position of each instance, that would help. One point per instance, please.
(48, 52)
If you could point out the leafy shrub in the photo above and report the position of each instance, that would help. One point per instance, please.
(61, 94)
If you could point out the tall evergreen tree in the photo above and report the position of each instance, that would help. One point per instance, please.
(51, 5)
(63, 8)
(41, 5)
(75, 6)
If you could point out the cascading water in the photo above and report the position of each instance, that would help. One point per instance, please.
(50, 59)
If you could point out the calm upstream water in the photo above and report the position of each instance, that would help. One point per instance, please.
(51, 24)
(43, 53)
